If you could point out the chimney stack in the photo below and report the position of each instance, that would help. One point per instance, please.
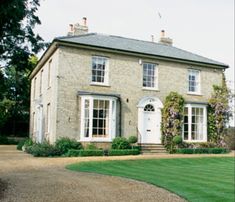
(165, 40)
(78, 29)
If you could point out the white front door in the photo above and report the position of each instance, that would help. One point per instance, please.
(151, 127)
(149, 120)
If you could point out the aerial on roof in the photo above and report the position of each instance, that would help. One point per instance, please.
(137, 46)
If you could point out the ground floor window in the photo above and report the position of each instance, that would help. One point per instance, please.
(195, 119)
(98, 118)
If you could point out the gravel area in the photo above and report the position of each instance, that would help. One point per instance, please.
(24, 178)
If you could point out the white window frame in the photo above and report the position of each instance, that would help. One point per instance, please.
(41, 83)
(155, 87)
(112, 118)
(34, 87)
(197, 74)
(49, 74)
(106, 71)
(48, 119)
(190, 106)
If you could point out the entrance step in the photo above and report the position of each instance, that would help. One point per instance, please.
(152, 149)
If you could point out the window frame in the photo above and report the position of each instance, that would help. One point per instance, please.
(34, 87)
(198, 81)
(112, 118)
(41, 83)
(106, 71)
(204, 124)
(48, 119)
(155, 87)
(49, 74)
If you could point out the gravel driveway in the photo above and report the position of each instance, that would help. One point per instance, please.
(24, 178)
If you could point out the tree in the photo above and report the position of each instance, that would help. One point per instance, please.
(18, 45)
(17, 39)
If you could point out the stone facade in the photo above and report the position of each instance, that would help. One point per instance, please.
(71, 72)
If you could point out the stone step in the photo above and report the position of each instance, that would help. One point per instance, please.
(152, 149)
(152, 146)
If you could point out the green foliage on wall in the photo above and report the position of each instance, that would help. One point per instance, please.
(219, 113)
(172, 119)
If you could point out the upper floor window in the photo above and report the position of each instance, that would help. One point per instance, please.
(34, 87)
(149, 76)
(193, 81)
(41, 82)
(100, 70)
(49, 74)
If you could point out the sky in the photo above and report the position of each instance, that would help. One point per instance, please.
(204, 27)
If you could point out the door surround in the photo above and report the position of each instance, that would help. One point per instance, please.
(157, 106)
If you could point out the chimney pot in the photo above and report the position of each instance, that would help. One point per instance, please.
(71, 27)
(163, 33)
(84, 21)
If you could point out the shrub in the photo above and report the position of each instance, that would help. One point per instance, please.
(218, 150)
(91, 147)
(3, 140)
(91, 152)
(202, 151)
(132, 139)
(177, 139)
(20, 144)
(120, 143)
(43, 150)
(121, 152)
(64, 144)
(207, 145)
(230, 138)
(185, 151)
(73, 152)
(27, 145)
(136, 147)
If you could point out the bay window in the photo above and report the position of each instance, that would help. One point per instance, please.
(195, 123)
(98, 118)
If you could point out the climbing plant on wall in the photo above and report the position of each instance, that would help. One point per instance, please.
(172, 117)
(219, 112)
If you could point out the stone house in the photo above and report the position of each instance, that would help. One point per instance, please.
(94, 87)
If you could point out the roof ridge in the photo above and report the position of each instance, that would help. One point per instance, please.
(138, 40)
(75, 36)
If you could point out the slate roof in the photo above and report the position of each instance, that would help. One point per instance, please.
(137, 46)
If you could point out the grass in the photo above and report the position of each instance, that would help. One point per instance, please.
(195, 179)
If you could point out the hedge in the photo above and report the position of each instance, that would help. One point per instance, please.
(202, 151)
(120, 152)
(74, 152)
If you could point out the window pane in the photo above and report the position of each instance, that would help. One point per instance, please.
(98, 69)
(149, 75)
(193, 78)
(100, 118)
(197, 123)
(185, 126)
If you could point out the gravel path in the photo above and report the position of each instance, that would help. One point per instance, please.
(24, 178)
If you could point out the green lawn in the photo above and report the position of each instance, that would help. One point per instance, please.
(195, 179)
